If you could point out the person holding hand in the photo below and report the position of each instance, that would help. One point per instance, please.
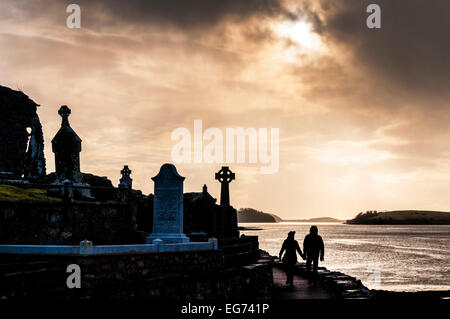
(290, 249)
(313, 248)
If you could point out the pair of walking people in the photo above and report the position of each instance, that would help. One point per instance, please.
(313, 249)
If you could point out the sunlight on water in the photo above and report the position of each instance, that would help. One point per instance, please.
(406, 258)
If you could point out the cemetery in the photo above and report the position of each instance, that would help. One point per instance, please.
(127, 244)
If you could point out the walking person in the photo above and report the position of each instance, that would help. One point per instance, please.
(313, 248)
(290, 249)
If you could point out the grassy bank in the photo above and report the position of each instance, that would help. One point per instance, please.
(14, 193)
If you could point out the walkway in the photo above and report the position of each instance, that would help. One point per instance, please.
(301, 289)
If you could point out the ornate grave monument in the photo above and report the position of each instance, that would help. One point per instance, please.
(168, 207)
(227, 219)
(67, 147)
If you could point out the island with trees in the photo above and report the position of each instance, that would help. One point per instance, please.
(401, 217)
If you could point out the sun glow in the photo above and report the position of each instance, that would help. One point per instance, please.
(301, 33)
(349, 153)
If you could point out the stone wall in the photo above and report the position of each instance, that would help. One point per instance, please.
(23, 222)
(103, 222)
(196, 274)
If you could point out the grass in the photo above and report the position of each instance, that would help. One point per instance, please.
(13, 193)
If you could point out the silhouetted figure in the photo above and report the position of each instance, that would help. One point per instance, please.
(313, 248)
(290, 247)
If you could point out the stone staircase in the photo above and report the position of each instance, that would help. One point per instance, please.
(39, 279)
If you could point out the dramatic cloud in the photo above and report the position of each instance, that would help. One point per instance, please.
(410, 50)
(362, 113)
(186, 13)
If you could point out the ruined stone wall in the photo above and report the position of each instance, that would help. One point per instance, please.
(17, 113)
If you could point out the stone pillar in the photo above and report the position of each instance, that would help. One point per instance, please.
(214, 242)
(85, 247)
(168, 206)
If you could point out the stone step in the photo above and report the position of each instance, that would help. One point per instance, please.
(32, 282)
(43, 284)
(24, 266)
(30, 272)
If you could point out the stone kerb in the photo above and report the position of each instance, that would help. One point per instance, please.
(86, 248)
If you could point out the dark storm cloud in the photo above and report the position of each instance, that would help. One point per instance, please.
(411, 50)
(186, 13)
(183, 14)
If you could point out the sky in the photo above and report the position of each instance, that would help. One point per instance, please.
(362, 113)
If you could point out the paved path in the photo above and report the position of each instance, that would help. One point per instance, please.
(301, 289)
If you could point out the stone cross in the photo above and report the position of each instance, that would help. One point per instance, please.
(64, 112)
(225, 176)
(126, 181)
(168, 207)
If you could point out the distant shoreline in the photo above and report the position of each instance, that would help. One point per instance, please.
(399, 217)
(250, 215)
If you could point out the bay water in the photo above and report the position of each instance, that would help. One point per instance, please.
(391, 257)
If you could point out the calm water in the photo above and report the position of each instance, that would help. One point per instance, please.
(400, 258)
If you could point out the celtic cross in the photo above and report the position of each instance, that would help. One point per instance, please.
(64, 112)
(225, 176)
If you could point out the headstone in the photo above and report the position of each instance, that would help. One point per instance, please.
(168, 206)
(126, 181)
(225, 176)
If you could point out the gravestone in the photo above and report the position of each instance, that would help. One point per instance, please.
(126, 181)
(168, 206)
(225, 176)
